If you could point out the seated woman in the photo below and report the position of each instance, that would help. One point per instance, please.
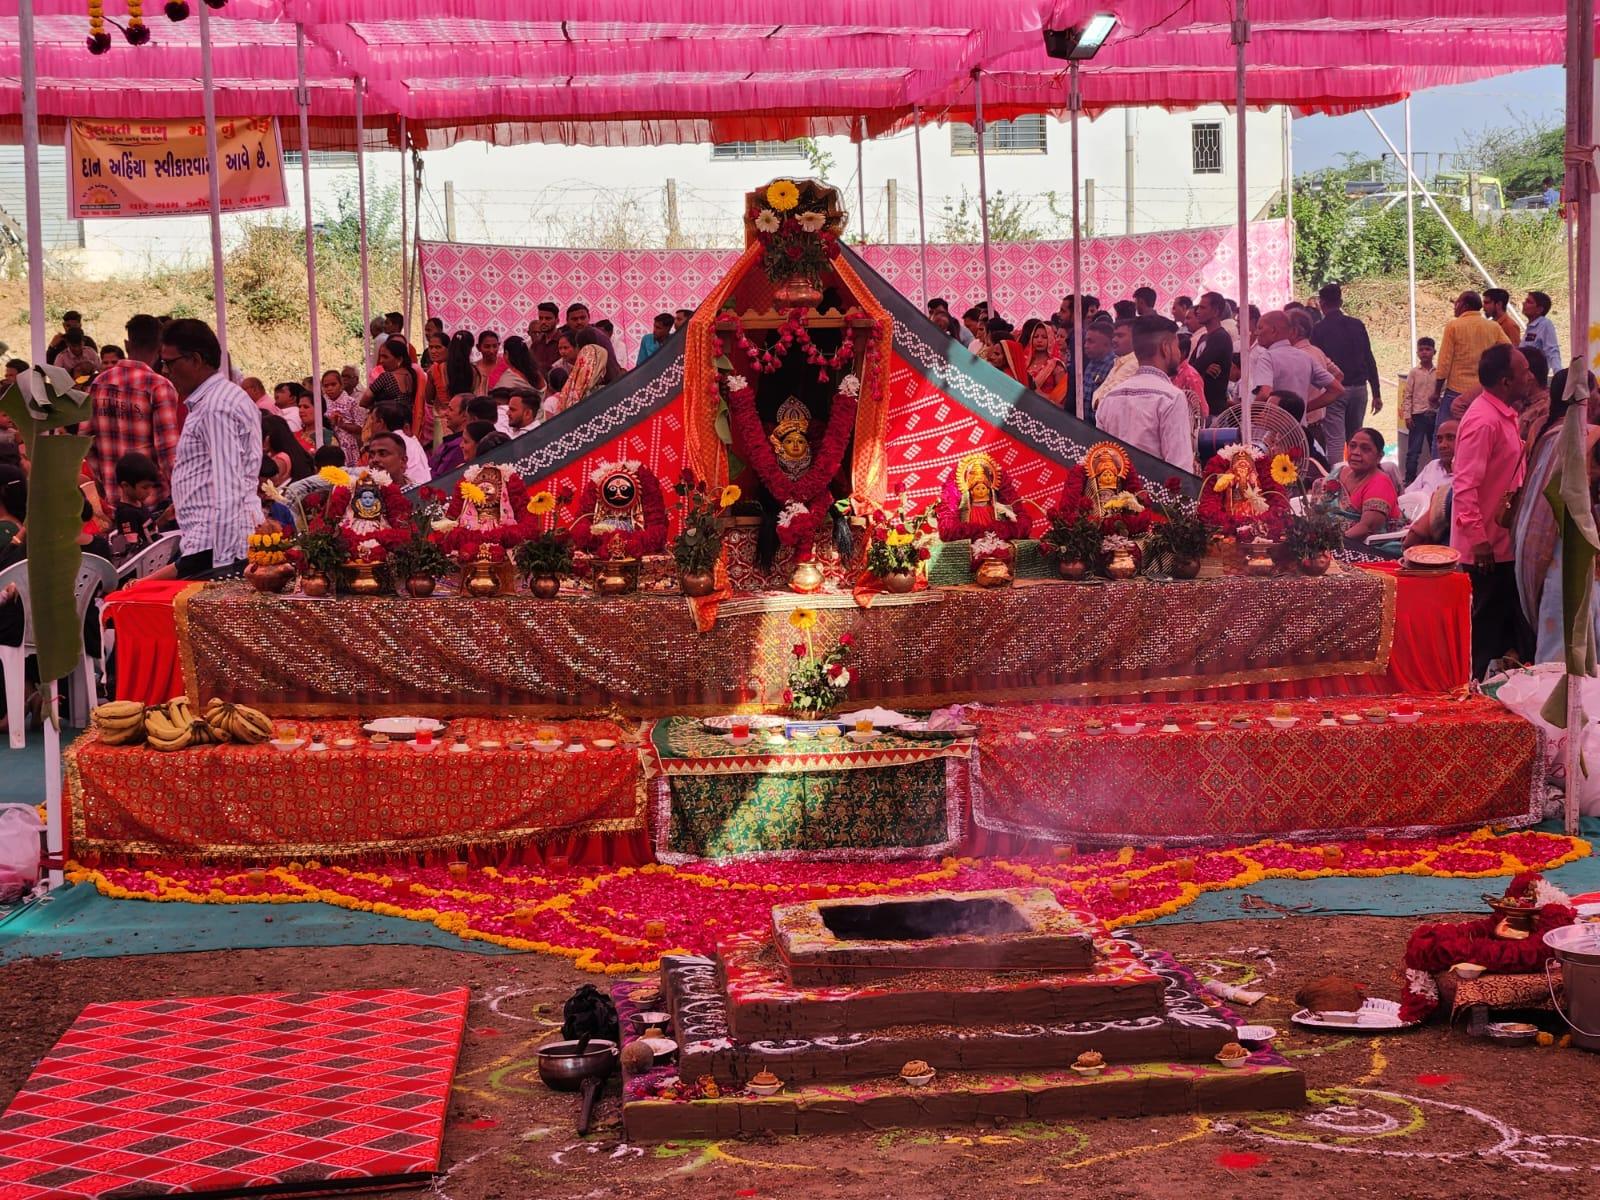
(1047, 374)
(1367, 500)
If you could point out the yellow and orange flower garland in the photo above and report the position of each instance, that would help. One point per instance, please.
(621, 921)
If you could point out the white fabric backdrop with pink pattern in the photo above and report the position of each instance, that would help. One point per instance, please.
(500, 287)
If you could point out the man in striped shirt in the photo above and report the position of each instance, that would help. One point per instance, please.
(218, 460)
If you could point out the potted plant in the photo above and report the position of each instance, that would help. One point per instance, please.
(546, 554)
(320, 554)
(817, 683)
(698, 545)
(1312, 536)
(1183, 537)
(420, 560)
(268, 568)
(1074, 542)
(898, 548)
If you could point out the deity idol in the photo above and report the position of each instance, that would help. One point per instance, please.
(490, 507)
(621, 513)
(791, 438)
(1243, 496)
(979, 500)
(1109, 469)
(367, 514)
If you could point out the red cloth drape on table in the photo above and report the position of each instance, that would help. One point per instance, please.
(148, 666)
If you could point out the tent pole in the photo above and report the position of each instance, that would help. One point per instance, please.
(1074, 104)
(361, 225)
(416, 240)
(302, 98)
(213, 184)
(1579, 195)
(922, 212)
(405, 241)
(1411, 236)
(1241, 36)
(983, 191)
(36, 341)
(861, 174)
(1288, 181)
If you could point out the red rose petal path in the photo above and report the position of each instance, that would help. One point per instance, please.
(612, 920)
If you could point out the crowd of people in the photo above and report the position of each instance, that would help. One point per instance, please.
(180, 442)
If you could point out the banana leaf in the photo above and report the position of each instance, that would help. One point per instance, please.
(43, 404)
(1568, 494)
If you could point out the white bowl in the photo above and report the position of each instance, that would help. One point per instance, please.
(1468, 970)
(423, 747)
(1125, 729)
(287, 745)
(576, 748)
(346, 744)
(1205, 726)
(546, 746)
(1282, 722)
(647, 1019)
(918, 1080)
(1088, 1072)
(1350, 719)
(764, 1089)
(858, 737)
(605, 743)
(1255, 1033)
(1410, 718)
(1092, 732)
(1169, 727)
(1233, 1064)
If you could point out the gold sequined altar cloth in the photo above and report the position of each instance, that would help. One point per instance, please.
(641, 655)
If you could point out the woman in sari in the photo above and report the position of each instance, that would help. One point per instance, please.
(522, 373)
(594, 336)
(1537, 538)
(588, 375)
(1045, 372)
(1367, 500)
(400, 382)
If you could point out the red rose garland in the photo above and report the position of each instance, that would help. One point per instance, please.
(396, 510)
(1075, 502)
(766, 360)
(750, 440)
(953, 529)
(1213, 511)
(464, 543)
(651, 539)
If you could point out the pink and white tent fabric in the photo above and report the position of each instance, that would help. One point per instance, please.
(625, 72)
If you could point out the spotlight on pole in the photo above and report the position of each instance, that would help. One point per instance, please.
(1082, 42)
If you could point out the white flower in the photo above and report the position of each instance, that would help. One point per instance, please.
(842, 679)
(381, 478)
(790, 511)
(367, 546)
(767, 221)
(988, 543)
(812, 222)
(850, 385)
(444, 525)
(737, 383)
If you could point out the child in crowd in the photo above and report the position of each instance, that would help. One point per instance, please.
(134, 517)
(1419, 406)
(273, 509)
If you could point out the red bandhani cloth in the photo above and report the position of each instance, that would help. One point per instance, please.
(148, 666)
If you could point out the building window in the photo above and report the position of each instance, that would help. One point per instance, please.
(756, 151)
(1025, 135)
(1205, 141)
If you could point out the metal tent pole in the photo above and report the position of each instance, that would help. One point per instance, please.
(361, 224)
(1074, 106)
(1241, 36)
(983, 191)
(922, 215)
(1411, 236)
(213, 183)
(861, 174)
(54, 838)
(405, 242)
(302, 96)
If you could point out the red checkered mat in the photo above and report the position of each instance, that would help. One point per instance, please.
(237, 1094)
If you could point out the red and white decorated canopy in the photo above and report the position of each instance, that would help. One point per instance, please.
(626, 72)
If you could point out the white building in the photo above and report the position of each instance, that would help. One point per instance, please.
(1142, 170)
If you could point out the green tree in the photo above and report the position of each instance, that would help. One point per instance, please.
(1011, 219)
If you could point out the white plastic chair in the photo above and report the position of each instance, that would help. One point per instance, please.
(95, 577)
(159, 553)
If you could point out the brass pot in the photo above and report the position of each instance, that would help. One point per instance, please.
(1316, 564)
(807, 577)
(992, 572)
(616, 576)
(1258, 558)
(697, 583)
(546, 587)
(272, 577)
(900, 582)
(797, 291)
(1074, 569)
(1122, 565)
(314, 584)
(421, 586)
(483, 580)
(363, 580)
(1185, 566)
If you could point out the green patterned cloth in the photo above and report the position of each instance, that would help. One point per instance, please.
(683, 745)
(951, 562)
(884, 808)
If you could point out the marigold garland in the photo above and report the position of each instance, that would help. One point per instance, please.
(599, 918)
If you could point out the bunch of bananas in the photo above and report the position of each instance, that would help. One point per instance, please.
(175, 725)
(120, 723)
(236, 723)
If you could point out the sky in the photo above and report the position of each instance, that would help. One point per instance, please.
(1441, 119)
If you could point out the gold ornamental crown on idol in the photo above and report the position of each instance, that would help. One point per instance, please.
(784, 195)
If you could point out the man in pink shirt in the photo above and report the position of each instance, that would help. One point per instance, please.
(1488, 469)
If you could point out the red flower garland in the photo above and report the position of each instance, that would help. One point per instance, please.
(396, 510)
(1075, 502)
(953, 529)
(464, 543)
(652, 539)
(765, 361)
(750, 440)
(1214, 514)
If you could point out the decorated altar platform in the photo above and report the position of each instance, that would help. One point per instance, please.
(1364, 631)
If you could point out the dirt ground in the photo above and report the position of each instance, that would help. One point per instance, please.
(1426, 1113)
